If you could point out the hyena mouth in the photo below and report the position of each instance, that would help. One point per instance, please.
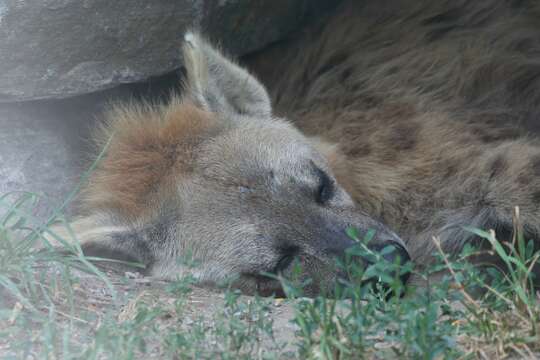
(267, 286)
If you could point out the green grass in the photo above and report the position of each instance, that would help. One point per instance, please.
(63, 307)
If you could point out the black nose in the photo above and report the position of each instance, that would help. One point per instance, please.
(355, 254)
(389, 256)
(396, 254)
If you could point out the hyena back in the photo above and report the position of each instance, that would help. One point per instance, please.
(429, 103)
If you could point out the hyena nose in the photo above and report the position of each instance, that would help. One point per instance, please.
(396, 254)
(389, 251)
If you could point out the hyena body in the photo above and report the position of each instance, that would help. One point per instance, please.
(428, 104)
(408, 114)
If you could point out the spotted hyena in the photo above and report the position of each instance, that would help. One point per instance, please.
(404, 117)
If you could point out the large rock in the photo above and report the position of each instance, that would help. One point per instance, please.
(61, 48)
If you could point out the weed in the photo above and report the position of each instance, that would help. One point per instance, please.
(54, 306)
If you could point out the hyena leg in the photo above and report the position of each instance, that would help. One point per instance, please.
(513, 175)
(484, 196)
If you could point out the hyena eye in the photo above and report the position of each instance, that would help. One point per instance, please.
(325, 189)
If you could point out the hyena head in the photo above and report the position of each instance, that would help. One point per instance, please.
(215, 175)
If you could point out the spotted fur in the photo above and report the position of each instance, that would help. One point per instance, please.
(432, 106)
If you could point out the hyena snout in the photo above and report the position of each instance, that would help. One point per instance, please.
(384, 247)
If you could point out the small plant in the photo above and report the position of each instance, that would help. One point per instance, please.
(442, 320)
(349, 324)
(507, 313)
(46, 311)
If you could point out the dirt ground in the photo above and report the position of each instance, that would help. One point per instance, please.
(91, 304)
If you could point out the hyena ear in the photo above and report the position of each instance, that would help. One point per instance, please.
(219, 85)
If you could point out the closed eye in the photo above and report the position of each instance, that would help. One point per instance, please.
(326, 187)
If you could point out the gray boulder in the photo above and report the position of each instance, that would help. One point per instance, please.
(62, 48)
(43, 146)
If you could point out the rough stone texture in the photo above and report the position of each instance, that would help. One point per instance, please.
(61, 48)
(42, 147)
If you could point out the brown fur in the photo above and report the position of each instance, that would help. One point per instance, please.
(149, 150)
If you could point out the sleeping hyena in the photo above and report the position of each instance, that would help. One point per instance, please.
(403, 110)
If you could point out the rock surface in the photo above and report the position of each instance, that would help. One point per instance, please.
(42, 149)
(62, 48)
